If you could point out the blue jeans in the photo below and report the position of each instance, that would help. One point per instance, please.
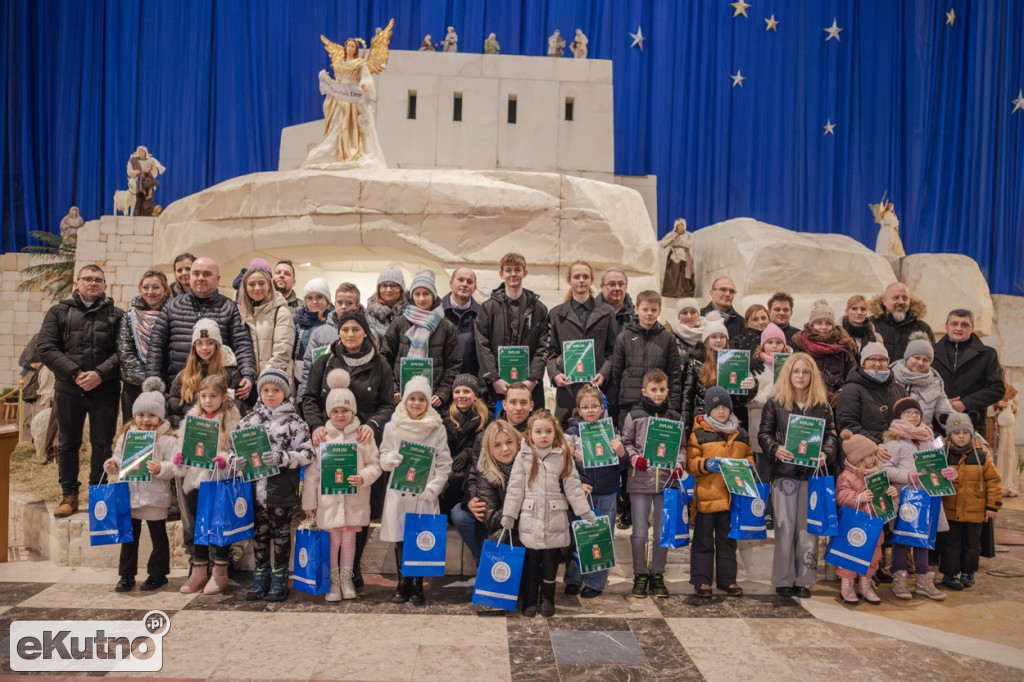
(465, 523)
(604, 505)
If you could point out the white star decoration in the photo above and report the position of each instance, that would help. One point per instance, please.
(950, 17)
(738, 79)
(772, 24)
(830, 127)
(741, 8)
(1018, 104)
(833, 31)
(638, 38)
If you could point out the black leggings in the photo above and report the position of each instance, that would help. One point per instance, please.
(540, 565)
(159, 564)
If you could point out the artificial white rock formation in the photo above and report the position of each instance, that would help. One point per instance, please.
(946, 281)
(762, 259)
(432, 218)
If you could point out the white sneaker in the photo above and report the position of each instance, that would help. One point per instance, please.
(348, 590)
(335, 593)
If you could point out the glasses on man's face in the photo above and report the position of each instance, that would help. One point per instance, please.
(91, 280)
(726, 290)
(615, 285)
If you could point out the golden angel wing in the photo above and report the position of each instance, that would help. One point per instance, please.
(377, 60)
(336, 51)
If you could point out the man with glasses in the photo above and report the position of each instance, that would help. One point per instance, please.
(78, 343)
(613, 292)
(346, 298)
(723, 291)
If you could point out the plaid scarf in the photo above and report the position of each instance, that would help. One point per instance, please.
(422, 325)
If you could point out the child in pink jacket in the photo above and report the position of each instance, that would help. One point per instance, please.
(852, 491)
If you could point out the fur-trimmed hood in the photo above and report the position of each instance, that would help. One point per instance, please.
(916, 311)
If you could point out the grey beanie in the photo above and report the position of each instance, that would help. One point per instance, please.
(277, 376)
(392, 274)
(152, 398)
(919, 345)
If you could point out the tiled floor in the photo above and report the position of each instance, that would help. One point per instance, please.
(974, 635)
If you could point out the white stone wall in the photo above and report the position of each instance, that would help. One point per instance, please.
(21, 314)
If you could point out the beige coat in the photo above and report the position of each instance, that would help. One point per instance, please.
(337, 511)
(543, 508)
(272, 328)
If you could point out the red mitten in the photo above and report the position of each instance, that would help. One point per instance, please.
(640, 463)
(677, 474)
(220, 462)
(178, 459)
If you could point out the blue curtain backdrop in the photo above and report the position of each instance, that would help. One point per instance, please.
(922, 109)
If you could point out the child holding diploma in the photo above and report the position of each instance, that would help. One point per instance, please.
(906, 435)
(716, 435)
(150, 499)
(852, 492)
(342, 515)
(799, 392)
(702, 373)
(979, 495)
(417, 423)
(214, 403)
(277, 495)
(645, 483)
(541, 487)
(600, 482)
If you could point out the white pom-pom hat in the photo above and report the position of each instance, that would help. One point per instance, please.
(340, 396)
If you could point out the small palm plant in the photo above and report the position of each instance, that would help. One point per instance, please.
(53, 265)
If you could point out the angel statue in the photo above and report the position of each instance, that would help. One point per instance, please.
(350, 104)
(888, 244)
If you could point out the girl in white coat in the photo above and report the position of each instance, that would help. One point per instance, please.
(414, 421)
(342, 515)
(150, 499)
(542, 485)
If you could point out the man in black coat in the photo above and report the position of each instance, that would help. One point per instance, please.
(969, 369)
(896, 315)
(461, 310)
(780, 312)
(171, 339)
(613, 293)
(723, 291)
(512, 316)
(78, 343)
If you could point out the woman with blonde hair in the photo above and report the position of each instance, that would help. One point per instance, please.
(798, 391)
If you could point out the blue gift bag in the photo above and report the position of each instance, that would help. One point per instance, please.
(854, 545)
(917, 519)
(204, 512)
(675, 519)
(424, 545)
(747, 522)
(822, 514)
(498, 575)
(231, 517)
(312, 570)
(110, 514)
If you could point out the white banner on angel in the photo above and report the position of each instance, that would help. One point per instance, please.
(349, 92)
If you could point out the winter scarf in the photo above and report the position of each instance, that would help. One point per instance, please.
(689, 335)
(730, 425)
(833, 342)
(359, 358)
(901, 428)
(928, 385)
(415, 430)
(864, 332)
(306, 321)
(381, 312)
(142, 320)
(422, 325)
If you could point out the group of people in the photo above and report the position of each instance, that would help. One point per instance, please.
(326, 368)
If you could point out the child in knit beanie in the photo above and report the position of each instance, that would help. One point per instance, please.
(341, 514)
(150, 498)
(852, 491)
